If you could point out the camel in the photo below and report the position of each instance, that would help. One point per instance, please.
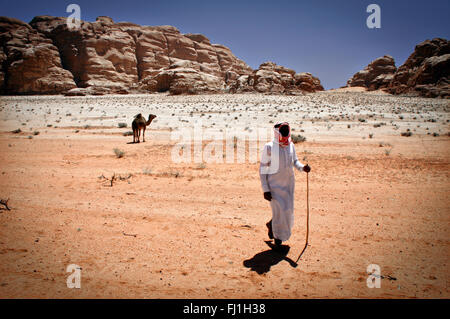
(139, 124)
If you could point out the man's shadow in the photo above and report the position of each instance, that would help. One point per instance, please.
(262, 261)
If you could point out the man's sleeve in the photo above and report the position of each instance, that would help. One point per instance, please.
(263, 168)
(299, 166)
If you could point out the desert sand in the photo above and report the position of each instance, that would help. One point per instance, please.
(197, 230)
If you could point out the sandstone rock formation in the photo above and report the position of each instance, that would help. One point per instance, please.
(123, 56)
(272, 78)
(99, 54)
(102, 57)
(30, 63)
(426, 72)
(377, 75)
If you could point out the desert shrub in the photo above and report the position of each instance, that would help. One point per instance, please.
(201, 166)
(128, 133)
(407, 133)
(297, 138)
(147, 171)
(122, 125)
(17, 131)
(119, 153)
(171, 173)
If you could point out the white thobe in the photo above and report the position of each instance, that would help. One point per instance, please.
(280, 183)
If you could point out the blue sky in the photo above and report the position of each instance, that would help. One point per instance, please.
(328, 38)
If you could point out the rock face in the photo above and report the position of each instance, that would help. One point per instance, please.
(377, 75)
(30, 63)
(109, 57)
(104, 57)
(426, 72)
(272, 78)
(98, 54)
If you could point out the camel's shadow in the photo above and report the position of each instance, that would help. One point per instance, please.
(263, 261)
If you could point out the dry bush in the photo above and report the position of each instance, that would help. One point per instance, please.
(297, 138)
(119, 153)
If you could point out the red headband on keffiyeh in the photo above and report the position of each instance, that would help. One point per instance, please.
(282, 140)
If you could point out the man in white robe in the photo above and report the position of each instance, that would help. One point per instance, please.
(278, 182)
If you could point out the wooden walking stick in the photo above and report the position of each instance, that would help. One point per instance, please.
(307, 217)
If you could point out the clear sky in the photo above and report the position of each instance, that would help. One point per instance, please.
(328, 38)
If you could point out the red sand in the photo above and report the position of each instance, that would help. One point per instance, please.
(195, 227)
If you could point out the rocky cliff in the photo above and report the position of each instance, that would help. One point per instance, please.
(101, 57)
(273, 78)
(377, 75)
(425, 73)
(30, 62)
